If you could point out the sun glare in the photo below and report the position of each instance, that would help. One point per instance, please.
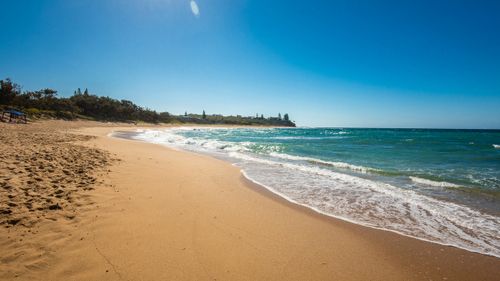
(194, 8)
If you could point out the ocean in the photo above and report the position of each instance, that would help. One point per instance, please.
(441, 186)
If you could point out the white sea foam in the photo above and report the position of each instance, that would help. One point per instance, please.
(363, 201)
(304, 138)
(377, 204)
(169, 137)
(433, 183)
(497, 146)
(341, 165)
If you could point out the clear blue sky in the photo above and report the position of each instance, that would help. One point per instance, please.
(326, 63)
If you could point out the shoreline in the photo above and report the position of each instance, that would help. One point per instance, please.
(380, 233)
(377, 235)
(268, 191)
(170, 214)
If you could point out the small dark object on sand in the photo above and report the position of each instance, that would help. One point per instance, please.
(13, 116)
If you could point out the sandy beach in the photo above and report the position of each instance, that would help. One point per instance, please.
(77, 204)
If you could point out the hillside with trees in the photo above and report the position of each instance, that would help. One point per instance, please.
(45, 103)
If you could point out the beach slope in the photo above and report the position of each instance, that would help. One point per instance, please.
(161, 214)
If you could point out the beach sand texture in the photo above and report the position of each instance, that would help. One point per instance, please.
(161, 214)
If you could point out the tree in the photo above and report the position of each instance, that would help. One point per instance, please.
(165, 117)
(106, 108)
(8, 91)
(279, 116)
(48, 93)
(286, 118)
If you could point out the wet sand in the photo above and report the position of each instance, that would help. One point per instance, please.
(139, 211)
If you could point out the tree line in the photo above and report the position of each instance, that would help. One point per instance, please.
(46, 102)
(235, 120)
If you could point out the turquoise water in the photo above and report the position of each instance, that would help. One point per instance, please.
(462, 157)
(437, 185)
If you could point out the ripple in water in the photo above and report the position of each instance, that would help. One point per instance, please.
(387, 193)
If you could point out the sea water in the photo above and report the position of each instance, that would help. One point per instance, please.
(441, 186)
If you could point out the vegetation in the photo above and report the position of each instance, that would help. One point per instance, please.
(233, 120)
(46, 103)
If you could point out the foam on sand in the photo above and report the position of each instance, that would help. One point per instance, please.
(308, 181)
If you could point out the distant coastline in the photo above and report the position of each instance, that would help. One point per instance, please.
(45, 103)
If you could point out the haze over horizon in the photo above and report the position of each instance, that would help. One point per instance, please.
(422, 64)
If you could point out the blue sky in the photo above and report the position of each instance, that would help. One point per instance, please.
(326, 63)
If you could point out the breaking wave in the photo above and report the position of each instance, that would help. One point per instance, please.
(323, 186)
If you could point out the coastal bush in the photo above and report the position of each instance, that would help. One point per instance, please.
(46, 103)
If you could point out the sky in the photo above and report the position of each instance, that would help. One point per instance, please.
(433, 64)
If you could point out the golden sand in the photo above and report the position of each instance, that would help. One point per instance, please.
(161, 214)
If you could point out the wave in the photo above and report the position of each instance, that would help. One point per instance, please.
(433, 183)
(376, 204)
(304, 138)
(169, 137)
(497, 146)
(360, 200)
(467, 246)
(341, 165)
